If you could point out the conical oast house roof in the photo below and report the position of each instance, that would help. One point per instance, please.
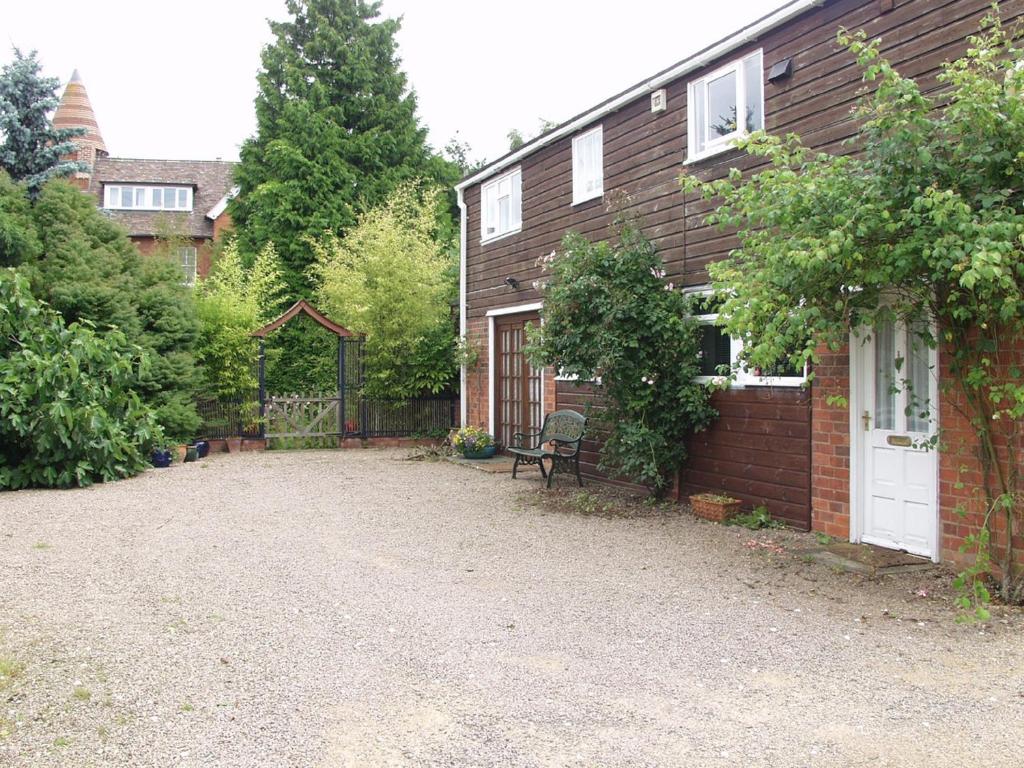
(75, 111)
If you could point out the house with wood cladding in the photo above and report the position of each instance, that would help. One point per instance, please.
(778, 441)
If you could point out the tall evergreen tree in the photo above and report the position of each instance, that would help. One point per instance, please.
(336, 132)
(32, 148)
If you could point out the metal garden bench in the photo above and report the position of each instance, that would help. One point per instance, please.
(559, 440)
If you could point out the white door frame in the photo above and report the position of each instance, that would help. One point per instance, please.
(518, 309)
(859, 438)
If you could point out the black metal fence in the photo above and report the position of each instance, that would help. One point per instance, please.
(238, 417)
(417, 417)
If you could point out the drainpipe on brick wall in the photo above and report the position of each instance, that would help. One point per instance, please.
(462, 300)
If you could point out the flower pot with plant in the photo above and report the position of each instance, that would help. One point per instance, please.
(474, 443)
(714, 506)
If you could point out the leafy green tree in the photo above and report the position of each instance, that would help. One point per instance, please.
(32, 148)
(90, 271)
(231, 303)
(609, 315)
(18, 240)
(336, 132)
(389, 278)
(924, 225)
(69, 413)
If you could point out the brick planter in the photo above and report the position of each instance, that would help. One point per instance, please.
(714, 507)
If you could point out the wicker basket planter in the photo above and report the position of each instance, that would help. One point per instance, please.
(714, 506)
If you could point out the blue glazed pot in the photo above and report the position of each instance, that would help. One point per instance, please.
(483, 453)
(203, 448)
(161, 459)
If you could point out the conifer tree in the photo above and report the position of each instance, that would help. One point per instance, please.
(32, 148)
(336, 132)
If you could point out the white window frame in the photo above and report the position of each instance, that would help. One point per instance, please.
(580, 174)
(743, 378)
(112, 197)
(183, 261)
(489, 210)
(697, 90)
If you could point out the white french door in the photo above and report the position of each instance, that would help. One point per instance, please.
(896, 462)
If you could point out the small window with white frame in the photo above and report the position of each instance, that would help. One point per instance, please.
(187, 259)
(588, 165)
(501, 202)
(724, 106)
(720, 354)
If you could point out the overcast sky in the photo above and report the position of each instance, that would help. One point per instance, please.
(177, 80)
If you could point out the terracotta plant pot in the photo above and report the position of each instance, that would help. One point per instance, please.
(234, 444)
(714, 506)
(180, 451)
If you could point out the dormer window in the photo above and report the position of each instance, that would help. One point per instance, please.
(147, 198)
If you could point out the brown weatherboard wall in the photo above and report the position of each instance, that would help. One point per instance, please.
(643, 157)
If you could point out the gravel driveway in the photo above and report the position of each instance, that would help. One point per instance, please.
(352, 609)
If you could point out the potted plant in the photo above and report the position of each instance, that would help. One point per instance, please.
(714, 506)
(475, 443)
(191, 453)
(161, 456)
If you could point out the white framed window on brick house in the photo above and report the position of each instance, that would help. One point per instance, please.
(187, 259)
(588, 165)
(724, 106)
(501, 202)
(147, 197)
(718, 349)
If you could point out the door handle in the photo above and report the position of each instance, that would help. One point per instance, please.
(867, 421)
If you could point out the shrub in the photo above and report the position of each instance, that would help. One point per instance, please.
(609, 315)
(68, 411)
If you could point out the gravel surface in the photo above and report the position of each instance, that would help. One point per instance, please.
(353, 609)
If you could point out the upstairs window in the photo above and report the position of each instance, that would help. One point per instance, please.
(502, 206)
(187, 260)
(147, 198)
(588, 166)
(724, 106)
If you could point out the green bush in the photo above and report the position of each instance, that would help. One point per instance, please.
(69, 414)
(609, 315)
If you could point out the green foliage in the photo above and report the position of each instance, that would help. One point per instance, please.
(337, 132)
(924, 225)
(231, 303)
(18, 239)
(69, 414)
(390, 279)
(89, 271)
(756, 519)
(32, 148)
(609, 314)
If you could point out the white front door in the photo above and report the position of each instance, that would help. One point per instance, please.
(898, 465)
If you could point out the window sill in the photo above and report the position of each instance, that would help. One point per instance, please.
(716, 150)
(502, 236)
(594, 196)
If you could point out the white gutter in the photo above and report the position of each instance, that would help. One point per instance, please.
(462, 301)
(698, 60)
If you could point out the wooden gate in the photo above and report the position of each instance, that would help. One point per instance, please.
(301, 416)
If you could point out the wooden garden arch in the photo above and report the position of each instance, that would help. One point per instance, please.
(303, 307)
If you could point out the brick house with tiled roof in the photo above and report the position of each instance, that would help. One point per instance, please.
(151, 198)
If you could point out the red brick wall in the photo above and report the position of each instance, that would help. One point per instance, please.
(204, 251)
(222, 224)
(830, 446)
(961, 474)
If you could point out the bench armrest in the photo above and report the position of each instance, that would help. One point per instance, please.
(519, 437)
(572, 445)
